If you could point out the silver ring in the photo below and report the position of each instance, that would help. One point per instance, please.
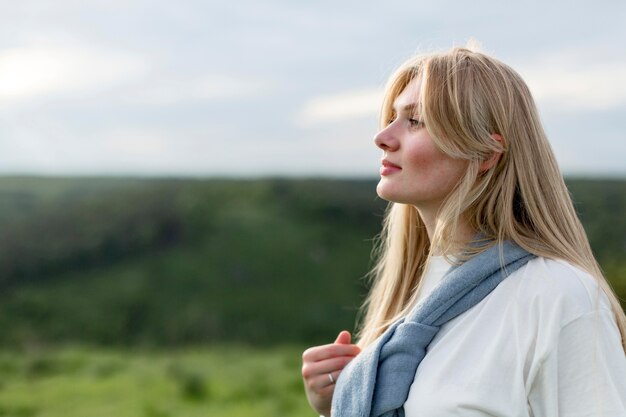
(330, 376)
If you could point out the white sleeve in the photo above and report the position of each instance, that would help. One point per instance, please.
(585, 374)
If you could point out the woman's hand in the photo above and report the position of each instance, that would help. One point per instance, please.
(321, 366)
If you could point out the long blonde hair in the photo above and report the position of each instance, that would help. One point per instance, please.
(466, 97)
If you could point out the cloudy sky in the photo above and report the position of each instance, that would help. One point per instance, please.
(282, 87)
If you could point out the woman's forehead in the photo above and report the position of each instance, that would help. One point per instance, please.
(409, 98)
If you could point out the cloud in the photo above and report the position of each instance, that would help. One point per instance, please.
(339, 107)
(26, 150)
(211, 87)
(134, 142)
(577, 81)
(44, 69)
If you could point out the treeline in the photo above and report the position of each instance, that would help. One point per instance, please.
(172, 262)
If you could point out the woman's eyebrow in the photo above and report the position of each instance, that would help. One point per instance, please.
(409, 108)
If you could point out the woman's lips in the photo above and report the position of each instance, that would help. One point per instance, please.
(389, 168)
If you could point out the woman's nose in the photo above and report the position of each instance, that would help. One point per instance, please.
(386, 140)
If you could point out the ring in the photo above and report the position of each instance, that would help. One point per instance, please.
(330, 376)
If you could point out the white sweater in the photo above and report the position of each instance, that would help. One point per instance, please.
(544, 343)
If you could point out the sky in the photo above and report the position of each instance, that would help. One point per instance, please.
(252, 88)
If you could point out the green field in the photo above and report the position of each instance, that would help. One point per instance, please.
(226, 381)
(195, 297)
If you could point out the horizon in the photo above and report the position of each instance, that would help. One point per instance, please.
(260, 177)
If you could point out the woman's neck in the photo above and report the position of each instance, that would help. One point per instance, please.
(462, 231)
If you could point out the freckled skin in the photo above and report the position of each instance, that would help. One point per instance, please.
(427, 175)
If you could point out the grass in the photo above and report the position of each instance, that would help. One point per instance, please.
(224, 381)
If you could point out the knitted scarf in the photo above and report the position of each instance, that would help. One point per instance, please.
(377, 382)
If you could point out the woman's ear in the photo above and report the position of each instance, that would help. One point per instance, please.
(490, 162)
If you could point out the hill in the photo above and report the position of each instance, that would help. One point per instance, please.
(177, 262)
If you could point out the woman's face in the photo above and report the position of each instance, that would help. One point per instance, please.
(414, 171)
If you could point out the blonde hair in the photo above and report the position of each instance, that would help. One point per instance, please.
(465, 98)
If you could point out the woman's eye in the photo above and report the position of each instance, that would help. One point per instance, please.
(416, 123)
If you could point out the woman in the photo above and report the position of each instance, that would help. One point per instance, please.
(467, 168)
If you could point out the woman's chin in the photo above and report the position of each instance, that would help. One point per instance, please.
(385, 192)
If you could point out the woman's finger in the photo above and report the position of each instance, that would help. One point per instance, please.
(310, 369)
(319, 353)
(321, 382)
(343, 337)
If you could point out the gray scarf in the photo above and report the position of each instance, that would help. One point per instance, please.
(377, 382)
